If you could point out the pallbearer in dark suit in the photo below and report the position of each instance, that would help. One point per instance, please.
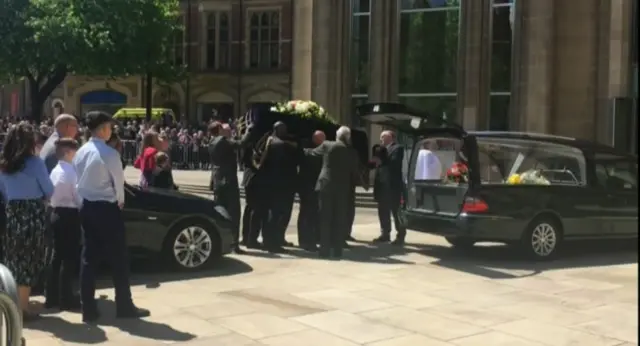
(224, 175)
(279, 163)
(390, 188)
(308, 214)
(337, 177)
(256, 209)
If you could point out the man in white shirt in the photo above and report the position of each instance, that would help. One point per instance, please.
(428, 166)
(65, 226)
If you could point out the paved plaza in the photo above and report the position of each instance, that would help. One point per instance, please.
(424, 294)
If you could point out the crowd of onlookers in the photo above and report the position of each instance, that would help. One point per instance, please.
(187, 144)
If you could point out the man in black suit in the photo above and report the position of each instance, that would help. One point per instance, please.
(390, 189)
(308, 214)
(256, 209)
(224, 176)
(337, 177)
(279, 164)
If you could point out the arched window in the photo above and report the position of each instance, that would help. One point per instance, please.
(264, 40)
(218, 35)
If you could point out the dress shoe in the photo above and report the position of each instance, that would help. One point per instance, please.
(90, 315)
(238, 251)
(255, 246)
(382, 239)
(277, 249)
(132, 312)
(398, 241)
(287, 244)
(73, 305)
(310, 248)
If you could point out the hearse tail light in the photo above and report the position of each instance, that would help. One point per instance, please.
(474, 205)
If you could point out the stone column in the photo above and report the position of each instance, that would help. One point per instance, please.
(301, 70)
(614, 37)
(384, 50)
(474, 64)
(329, 58)
(533, 62)
(384, 55)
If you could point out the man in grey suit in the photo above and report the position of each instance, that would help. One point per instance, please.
(337, 177)
(66, 126)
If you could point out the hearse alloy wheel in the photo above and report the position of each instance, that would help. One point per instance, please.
(543, 239)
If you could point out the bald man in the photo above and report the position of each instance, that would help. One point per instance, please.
(308, 215)
(391, 188)
(66, 126)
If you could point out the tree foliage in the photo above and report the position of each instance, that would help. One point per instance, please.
(43, 41)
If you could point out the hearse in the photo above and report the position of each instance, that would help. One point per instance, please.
(535, 191)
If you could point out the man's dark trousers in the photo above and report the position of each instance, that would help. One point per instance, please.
(104, 237)
(228, 196)
(308, 217)
(66, 228)
(255, 213)
(334, 221)
(280, 206)
(389, 206)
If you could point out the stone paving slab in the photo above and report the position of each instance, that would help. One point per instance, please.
(425, 294)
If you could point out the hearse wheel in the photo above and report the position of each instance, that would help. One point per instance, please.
(191, 245)
(542, 239)
(460, 243)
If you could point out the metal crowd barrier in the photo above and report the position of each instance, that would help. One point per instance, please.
(10, 316)
(183, 156)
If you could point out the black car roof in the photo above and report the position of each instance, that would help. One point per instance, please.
(568, 141)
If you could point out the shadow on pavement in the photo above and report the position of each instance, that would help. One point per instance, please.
(361, 252)
(140, 327)
(149, 274)
(81, 333)
(62, 329)
(495, 261)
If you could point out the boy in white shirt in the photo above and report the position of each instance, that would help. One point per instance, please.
(65, 227)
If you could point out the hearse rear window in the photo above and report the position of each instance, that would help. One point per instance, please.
(502, 161)
(439, 160)
(530, 162)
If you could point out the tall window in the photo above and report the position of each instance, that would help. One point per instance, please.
(179, 46)
(218, 37)
(429, 32)
(502, 42)
(359, 54)
(264, 40)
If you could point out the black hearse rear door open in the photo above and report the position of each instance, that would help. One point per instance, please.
(430, 197)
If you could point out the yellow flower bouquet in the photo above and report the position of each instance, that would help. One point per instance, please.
(531, 177)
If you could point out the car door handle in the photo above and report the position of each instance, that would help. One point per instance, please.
(152, 218)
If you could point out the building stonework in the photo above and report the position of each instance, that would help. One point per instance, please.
(570, 61)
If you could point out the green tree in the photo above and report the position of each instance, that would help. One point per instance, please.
(43, 41)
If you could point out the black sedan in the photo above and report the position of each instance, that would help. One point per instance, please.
(187, 231)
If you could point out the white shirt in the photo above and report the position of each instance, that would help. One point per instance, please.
(64, 180)
(428, 166)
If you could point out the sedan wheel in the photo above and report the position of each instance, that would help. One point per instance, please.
(192, 247)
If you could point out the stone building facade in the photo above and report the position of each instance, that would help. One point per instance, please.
(238, 52)
(554, 66)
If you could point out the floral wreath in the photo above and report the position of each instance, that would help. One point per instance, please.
(458, 173)
(303, 109)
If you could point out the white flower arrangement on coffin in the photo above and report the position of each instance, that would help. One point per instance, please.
(303, 109)
(530, 177)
